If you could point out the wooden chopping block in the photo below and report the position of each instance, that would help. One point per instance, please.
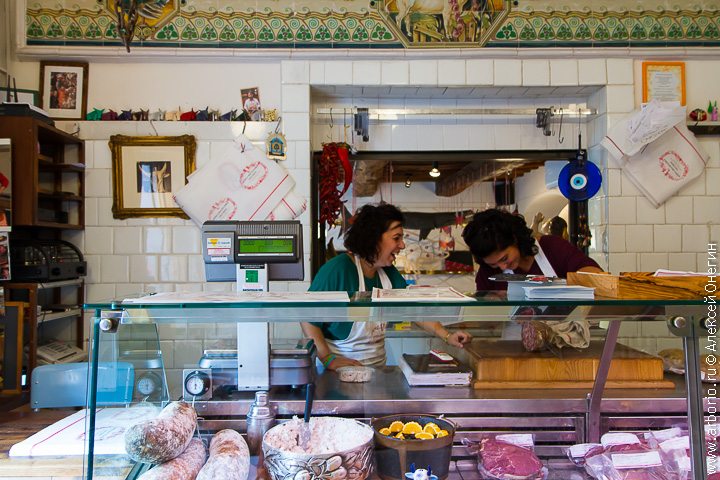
(641, 285)
(506, 364)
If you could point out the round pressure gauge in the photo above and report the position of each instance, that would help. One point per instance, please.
(148, 383)
(197, 383)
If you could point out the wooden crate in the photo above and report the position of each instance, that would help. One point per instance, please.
(641, 285)
(506, 364)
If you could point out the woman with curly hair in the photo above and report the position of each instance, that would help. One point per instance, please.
(373, 241)
(501, 242)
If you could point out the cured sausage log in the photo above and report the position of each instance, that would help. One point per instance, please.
(183, 467)
(163, 438)
(229, 458)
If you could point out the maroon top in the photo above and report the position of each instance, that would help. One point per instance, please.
(562, 255)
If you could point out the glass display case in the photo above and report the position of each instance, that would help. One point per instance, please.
(217, 354)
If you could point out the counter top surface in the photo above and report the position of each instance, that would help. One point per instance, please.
(388, 391)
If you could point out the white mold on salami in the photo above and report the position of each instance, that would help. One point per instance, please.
(183, 467)
(163, 438)
(229, 458)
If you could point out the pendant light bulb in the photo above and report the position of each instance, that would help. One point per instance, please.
(408, 182)
(434, 172)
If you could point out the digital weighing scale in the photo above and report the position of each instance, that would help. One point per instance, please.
(252, 253)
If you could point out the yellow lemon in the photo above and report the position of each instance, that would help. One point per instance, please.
(400, 436)
(431, 428)
(424, 436)
(411, 428)
(385, 431)
(442, 433)
(396, 426)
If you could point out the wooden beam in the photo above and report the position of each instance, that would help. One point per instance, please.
(476, 172)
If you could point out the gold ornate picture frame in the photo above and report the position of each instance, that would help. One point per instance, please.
(146, 173)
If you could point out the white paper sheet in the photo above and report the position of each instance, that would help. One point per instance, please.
(419, 294)
(67, 437)
(238, 297)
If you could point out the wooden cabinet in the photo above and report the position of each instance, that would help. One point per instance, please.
(48, 174)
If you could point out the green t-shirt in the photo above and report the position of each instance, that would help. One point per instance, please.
(340, 273)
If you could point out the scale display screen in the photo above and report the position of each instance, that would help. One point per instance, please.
(266, 245)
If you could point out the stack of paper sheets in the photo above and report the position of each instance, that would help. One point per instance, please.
(559, 292)
(425, 370)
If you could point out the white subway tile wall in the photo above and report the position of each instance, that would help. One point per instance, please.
(140, 255)
(535, 72)
(564, 72)
(423, 72)
(451, 72)
(592, 71)
(620, 71)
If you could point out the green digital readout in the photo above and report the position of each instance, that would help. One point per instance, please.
(265, 245)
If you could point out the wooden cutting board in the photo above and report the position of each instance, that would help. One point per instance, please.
(506, 364)
(641, 285)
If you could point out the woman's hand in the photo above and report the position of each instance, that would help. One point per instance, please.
(340, 361)
(459, 338)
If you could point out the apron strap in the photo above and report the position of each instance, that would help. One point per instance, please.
(384, 279)
(544, 263)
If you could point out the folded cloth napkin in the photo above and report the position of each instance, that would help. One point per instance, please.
(667, 164)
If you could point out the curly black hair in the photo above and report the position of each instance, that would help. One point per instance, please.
(492, 230)
(370, 222)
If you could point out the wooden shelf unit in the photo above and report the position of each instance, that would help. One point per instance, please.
(58, 294)
(48, 174)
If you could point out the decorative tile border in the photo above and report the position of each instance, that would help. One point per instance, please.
(370, 30)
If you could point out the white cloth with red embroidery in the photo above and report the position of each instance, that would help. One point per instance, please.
(658, 156)
(244, 185)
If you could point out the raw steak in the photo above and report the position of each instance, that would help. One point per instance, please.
(506, 461)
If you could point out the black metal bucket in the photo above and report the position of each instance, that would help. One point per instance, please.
(393, 456)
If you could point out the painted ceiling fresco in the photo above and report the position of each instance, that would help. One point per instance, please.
(379, 23)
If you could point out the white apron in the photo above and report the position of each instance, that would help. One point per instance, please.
(366, 342)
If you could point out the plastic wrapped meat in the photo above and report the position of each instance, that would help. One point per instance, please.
(505, 461)
(640, 464)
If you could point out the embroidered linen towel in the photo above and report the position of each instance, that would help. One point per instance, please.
(667, 164)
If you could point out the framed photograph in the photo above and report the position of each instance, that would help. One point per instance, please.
(63, 89)
(251, 103)
(664, 81)
(146, 173)
(11, 347)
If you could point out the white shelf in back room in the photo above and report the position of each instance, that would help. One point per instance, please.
(47, 316)
(60, 283)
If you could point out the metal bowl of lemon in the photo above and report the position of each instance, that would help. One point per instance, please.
(401, 440)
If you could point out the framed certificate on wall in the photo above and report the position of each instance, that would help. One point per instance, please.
(664, 81)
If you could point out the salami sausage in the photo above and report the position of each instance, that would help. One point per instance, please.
(163, 438)
(183, 467)
(229, 458)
